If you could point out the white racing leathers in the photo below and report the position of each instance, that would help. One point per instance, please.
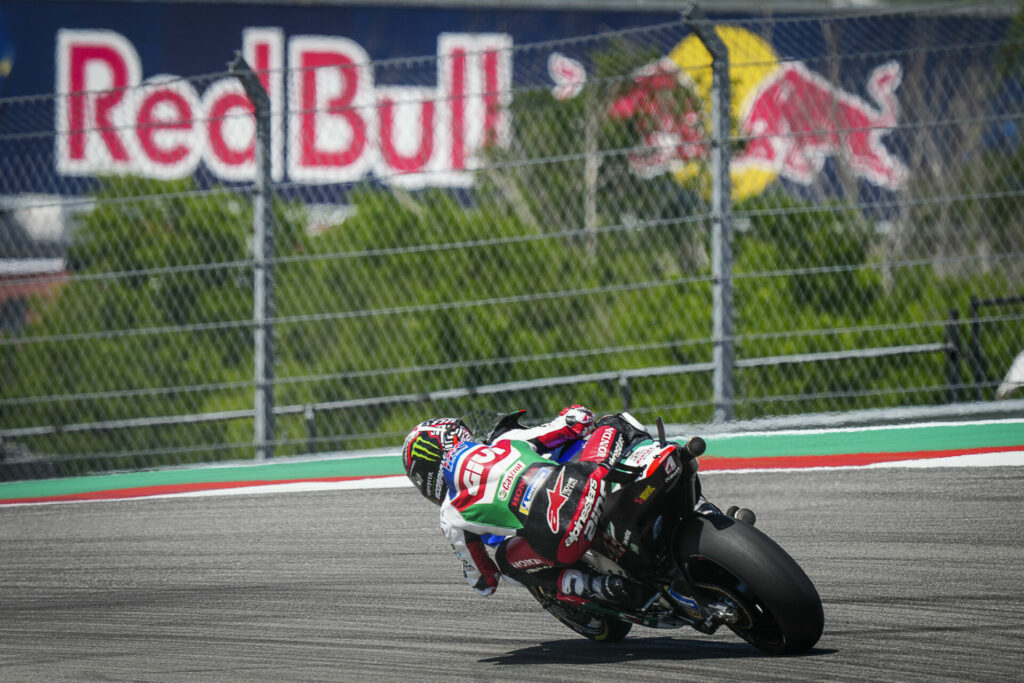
(491, 488)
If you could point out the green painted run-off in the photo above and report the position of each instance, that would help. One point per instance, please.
(917, 438)
(939, 437)
(269, 472)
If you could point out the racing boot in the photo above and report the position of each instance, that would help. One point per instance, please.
(585, 586)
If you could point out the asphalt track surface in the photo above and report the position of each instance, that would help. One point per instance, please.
(921, 572)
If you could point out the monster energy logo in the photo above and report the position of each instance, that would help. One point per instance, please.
(429, 451)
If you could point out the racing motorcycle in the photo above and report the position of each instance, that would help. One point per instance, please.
(699, 566)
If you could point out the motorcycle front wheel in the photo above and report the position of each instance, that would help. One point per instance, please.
(604, 629)
(774, 605)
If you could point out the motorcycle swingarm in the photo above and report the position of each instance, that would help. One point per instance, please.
(662, 620)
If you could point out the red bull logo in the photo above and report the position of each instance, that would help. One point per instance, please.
(330, 121)
(792, 118)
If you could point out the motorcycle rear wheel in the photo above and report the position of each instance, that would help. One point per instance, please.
(603, 629)
(778, 608)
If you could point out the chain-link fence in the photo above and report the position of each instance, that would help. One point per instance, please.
(505, 226)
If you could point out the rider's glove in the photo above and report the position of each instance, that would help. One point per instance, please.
(573, 423)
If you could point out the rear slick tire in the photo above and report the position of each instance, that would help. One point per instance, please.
(732, 562)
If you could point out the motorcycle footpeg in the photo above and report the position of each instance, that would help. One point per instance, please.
(741, 514)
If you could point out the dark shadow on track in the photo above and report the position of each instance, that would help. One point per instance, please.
(581, 651)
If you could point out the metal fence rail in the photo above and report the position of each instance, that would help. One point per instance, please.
(517, 225)
(623, 379)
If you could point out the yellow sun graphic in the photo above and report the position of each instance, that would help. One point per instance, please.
(751, 62)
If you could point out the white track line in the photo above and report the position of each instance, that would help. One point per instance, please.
(1001, 459)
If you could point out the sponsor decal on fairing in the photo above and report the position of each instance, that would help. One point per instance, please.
(517, 497)
(644, 495)
(557, 497)
(505, 488)
(531, 491)
(671, 466)
(664, 456)
(643, 455)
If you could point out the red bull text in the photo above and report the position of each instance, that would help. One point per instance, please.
(340, 127)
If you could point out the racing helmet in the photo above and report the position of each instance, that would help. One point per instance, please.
(424, 449)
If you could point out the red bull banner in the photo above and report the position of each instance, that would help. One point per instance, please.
(115, 119)
(791, 118)
(412, 96)
(112, 118)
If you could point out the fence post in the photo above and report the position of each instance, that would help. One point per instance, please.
(263, 260)
(309, 414)
(626, 391)
(721, 215)
(977, 370)
(953, 356)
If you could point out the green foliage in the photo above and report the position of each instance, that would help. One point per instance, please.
(810, 280)
(1010, 60)
(397, 300)
(401, 299)
(819, 249)
(150, 256)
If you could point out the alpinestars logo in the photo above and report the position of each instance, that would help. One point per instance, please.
(556, 499)
(586, 523)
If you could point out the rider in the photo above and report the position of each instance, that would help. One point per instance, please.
(549, 512)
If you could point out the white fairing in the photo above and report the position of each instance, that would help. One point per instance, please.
(643, 455)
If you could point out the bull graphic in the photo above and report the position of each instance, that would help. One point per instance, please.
(791, 123)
